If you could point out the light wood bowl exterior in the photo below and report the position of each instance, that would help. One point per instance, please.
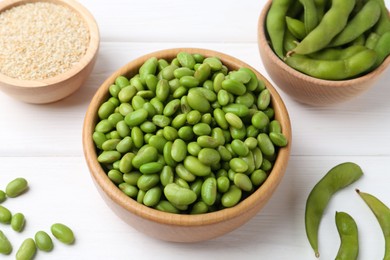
(58, 87)
(306, 89)
(176, 227)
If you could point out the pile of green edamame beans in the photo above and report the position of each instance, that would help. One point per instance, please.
(335, 179)
(188, 136)
(42, 240)
(332, 40)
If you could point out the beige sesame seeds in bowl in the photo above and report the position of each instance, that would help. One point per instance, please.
(48, 48)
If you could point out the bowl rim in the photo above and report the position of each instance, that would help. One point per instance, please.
(263, 41)
(92, 49)
(115, 194)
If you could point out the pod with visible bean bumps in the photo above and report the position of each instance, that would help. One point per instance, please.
(5, 245)
(5, 215)
(43, 241)
(27, 250)
(16, 187)
(337, 178)
(63, 233)
(17, 222)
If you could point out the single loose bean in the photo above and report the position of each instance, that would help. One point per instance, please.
(184, 174)
(258, 177)
(146, 182)
(126, 94)
(238, 165)
(337, 178)
(184, 71)
(166, 206)
(106, 109)
(201, 129)
(197, 101)
(109, 156)
(16, 187)
(234, 87)
(234, 120)
(199, 208)
(179, 121)
(17, 222)
(348, 232)
(214, 62)
(5, 215)
(151, 168)
(260, 120)
(186, 133)
(43, 241)
(278, 139)
(167, 175)
(237, 109)
(186, 60)
(3, 196)
(231, 197)
(239, 147)
(264, 99)
(206, 141)
(131, 177)
(197, 168)
(128, 189)
(223, 184)
(220, 119)
(63, 233)
(217, 85)
(179, 150)
(203, 72)
(178, 195)
(209, 156)
(265, 144)
(209, 191)
(152, 196)
(5, 245)
(242, 181)
(27, 250)
(194, 117)
(382, 214)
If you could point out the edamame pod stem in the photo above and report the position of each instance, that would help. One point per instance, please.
(334, 69)
(361, 22)
(275, 24)
(337, 178)
(331, 24)
(348, 232)
(310, 15)
(382, 214)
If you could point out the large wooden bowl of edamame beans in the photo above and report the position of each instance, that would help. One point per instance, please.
(324, 55)
(186, 144)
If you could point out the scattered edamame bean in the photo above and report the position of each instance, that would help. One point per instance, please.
(5, 245)
(5, 215)
(16, 187)
(17, 222)
(3, 196)
(43, 241)
(335, 179)
(63, 233)
(27, 250)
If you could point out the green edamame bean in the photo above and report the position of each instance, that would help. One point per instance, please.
(178, 195)
(63, 233)
(179, 150)
(225, 154)
(3, 196)
(125, 108)
(265, 144)
(184, 174)
(278, 139)
(151, 82)
(5, 245)
(149, 67)
(152, 197)
(234, 87)
(237, 109)
(217, 84)
(110, 144)
(242, 181)
(27, 250)
(275, 126)
(223, 184)
(127, 93)
(196, 167)
(179, 121)
(162, 90)
(114, 90)
(151, 168)
(203, 72)
(199, 208)
(337, 178)
(334, 69)
(186, 133)
(231, 197)
(183, 71)
(125, 145)
(296, 27)
(260, 120)
(166, 206)
(158, 142)
(214, 63)
(382, 214)
(360, 23)
(122, 81)
(209, 191)
(17, 222)
(234, 120)
(206, 141)
(348, 232)
(275, 24)
(258, 177)
(145, 155)
(193, 148)
(136, 118)
(239, 147)
(193, 117)
(131, 177)
(109, 157)
(264, 99)
(106, 109)
(16, 187)
(201, 129)
(128, 189)
(186, 60)
(251, 143)
(238, 165)
(189, 81)
(167, 175)
(247, 100)
(220, 119)
(382, 49)
(197, 101)
(43, 241)
(209, 156)
(333, 22)
(253, 82)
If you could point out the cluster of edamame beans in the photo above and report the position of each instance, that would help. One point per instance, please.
(188, 136)
(42, 240)
(332, 40)
(337, 178)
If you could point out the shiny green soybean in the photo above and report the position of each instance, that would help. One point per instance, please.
(335, 179)
(231, 197)
(16, 187)
(179, 195)
(382, 214)
(43, 241)
(27, 250)
(348, 232)
(63, 233)
(3, 196)
(209, 191)
(17, 222)
(5, 244)
(5, 215)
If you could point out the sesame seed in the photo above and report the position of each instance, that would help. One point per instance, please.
(41, 40)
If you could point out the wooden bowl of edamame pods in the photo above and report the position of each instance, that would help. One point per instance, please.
(159, 219)
(309, 89)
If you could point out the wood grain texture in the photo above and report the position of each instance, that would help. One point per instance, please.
(60, 86)
(176, 227)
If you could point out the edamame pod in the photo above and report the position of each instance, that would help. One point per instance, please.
(348, 232)
(337, 178)
(382, 214)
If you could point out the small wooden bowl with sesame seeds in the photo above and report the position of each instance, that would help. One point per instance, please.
(53, 56)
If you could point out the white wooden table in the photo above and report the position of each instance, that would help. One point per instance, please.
(43, 144)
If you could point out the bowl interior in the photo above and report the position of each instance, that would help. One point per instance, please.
(253, 203)
(88, 58)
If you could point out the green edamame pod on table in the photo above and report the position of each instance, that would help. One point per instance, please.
(333, 22)
(348, 232)
(336, 179)
(382, 214)
(275, 24)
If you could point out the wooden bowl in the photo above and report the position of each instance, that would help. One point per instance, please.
(177, 227)
(306, 89)
(60, 86)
